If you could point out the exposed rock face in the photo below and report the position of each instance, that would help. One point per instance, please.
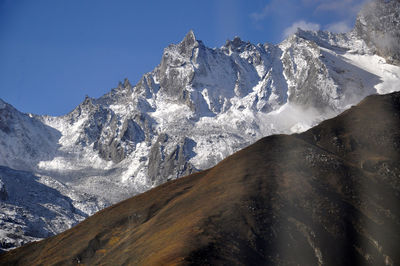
(114, 138)
(166, 164)
(329, 196)
(116, 147)
(198, 106)
(310, 82)
(176, 71)
(379, 25)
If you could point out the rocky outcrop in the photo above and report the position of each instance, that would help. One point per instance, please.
(168, 160)
(379, 25)
(309, 81)
(112, 136)
(176, 70)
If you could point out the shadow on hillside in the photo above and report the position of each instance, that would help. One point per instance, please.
(35, 205)
(25, 140)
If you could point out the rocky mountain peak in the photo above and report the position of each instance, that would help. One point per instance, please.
(236, 45)
(127, 84)
(176, 71)
(177, 54)
(186, 46)
(190, 39)
(236, 42)
(87, 100)
(84, 108)
(378, 24)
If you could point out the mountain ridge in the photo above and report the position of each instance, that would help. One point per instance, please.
(283, 200)
(196, 107)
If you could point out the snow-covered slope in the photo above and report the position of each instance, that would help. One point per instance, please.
(194, 109)
(34, 207)
(24, 139)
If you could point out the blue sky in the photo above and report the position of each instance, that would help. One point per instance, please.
(54, 52)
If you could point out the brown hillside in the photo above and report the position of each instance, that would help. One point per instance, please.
(328, 196)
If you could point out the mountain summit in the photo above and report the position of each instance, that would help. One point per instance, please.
(198, 106)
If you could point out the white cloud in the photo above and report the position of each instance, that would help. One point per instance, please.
(342, 7)
(263, 13)
(302, 25)
(339, 27)
(273, 8)
(334, 5)
(342, 11)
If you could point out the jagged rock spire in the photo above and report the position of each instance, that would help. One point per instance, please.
(187, 44)
(120, 85)
(190, 38)
(237, 41)
(127, 84)
(87, 99)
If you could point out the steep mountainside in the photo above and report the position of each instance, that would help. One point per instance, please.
(35, 207)
(196, 107)
(328, 196)
(378, 24)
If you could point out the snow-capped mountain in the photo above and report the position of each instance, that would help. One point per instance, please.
(196, 107)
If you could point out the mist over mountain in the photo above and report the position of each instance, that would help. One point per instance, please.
(196, 107)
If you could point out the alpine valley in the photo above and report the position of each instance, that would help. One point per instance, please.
(198, 106)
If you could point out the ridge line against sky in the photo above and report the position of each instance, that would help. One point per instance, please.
(53, 53)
